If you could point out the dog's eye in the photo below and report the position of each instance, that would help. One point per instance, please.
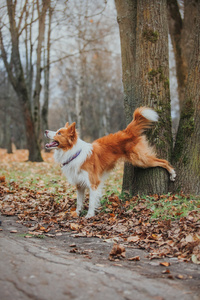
(59, 133)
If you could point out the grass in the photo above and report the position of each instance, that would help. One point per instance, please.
(172, 207)
(37, 236)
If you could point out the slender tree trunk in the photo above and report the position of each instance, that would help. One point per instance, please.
(8, 132)
(126, 17)
(149, 84)
(36, 96)
(186, 154)
(32, 141)
(176, 32)
(46, 75)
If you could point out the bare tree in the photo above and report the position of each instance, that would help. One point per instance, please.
(46, 59)
(21, 19)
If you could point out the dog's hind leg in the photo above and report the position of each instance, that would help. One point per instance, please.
(148, 161)
(156, 162)
(80, 198)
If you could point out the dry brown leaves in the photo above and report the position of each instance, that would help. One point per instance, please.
(21, 155)
(42, 213)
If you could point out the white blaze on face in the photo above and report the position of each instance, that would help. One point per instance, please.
(51, 134)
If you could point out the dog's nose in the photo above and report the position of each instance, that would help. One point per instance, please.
(46, 132)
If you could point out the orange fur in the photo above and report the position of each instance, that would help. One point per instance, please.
(127, 144)
(66, 137)
(101, 157)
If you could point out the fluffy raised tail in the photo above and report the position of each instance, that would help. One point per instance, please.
(142, 119)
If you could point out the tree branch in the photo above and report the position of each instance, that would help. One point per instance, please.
(5, 60)
(21, 16)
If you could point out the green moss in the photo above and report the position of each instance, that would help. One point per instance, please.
(186, 129)
(162, 76)
(152, 74)
(153, 95)
(159, 72)
(166, 84)
(151, 35)
(188, 110)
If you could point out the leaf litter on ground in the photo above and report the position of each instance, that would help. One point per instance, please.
(39, 195)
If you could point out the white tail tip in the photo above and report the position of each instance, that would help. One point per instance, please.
(150, 114)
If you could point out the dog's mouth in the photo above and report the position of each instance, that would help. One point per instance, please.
(53, 144)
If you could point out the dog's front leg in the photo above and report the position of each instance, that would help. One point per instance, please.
(80, 198)
(95, 195)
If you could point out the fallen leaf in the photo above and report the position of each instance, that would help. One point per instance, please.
(13, 231)
(118, 250)
(135, 258)
(133, 239)
(167, 271)
(179, 276)
(74, 214)
(74, 226)
(165, 264)
(2, 178)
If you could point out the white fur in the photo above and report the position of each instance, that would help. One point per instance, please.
(51, 134)
(172, 175)
(77, 176)
(72, 170)
(150, 114)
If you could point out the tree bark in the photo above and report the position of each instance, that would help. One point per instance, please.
(126, 17)
(16, 77)
(46, 75)
(36, 96)
(186, 154)
(149, 84)
(187, 41)
(176, 32)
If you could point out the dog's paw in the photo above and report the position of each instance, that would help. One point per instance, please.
(89, 215)
(78, 211)
(173, 175)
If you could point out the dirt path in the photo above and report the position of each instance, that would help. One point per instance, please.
(66, 267)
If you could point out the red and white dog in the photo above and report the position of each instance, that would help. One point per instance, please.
(87, 165)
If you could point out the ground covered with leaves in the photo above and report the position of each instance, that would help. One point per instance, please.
(39, 195)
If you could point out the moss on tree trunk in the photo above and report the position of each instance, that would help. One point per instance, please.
(186, 155)
(144, 47)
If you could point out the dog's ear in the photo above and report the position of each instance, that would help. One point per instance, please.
(72, 129)
(67, 125)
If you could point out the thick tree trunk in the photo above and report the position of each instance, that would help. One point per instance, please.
(149, 83)
(187, 39)
(152, 83)
(186, 154)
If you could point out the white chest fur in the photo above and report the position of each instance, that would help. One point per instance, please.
(72, 170)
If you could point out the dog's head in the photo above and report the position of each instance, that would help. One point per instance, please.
(64, 138)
